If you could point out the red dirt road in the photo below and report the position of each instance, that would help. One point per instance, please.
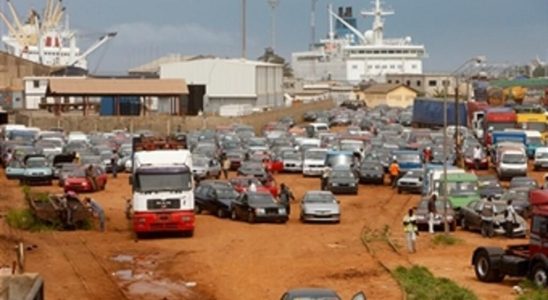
(235, 260)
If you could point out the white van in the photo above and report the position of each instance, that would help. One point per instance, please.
(512, 163)
(541, 158)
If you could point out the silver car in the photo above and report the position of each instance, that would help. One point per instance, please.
(320, 206)
(204, 167)
(292, 161)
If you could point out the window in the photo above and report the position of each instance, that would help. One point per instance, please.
(397, 82)
(377, 67)
(408, 82)
(432, 83)
(418, 83)
(36, 83)
(384, 66)
(413, 66)
(389, 81)
(392, 66)
(355, 67)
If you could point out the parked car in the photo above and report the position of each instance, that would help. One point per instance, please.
(64, 172)
(204, 167)
(469, 162)
(15, 169)
(412, 182)
(439, 222)
(523, 181)
(316, 294)
(292, 161)
(78, 182)
(241, 183)
(541, 158)
(371, 172)
(520, 200)
(254, 169)
(214, 196)
(320, 206)
(511, 163)
(257, 206)
(489, 186)
(342, 180)
(314, 161)
(37, 170)
(471, 218)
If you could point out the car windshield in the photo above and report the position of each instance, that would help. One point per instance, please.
(342, 174)
(293, 156)
(319, 198)
(225, 193)
(164, 182)
(534, 141)
(36, 163)
(320, 155)
(369, 167)
(488, 183)
(513, 159)
(536, 126)
(200, 161)
(15, 164)
(542, 155)
(459, 188)
(408, 157)
(261, 198)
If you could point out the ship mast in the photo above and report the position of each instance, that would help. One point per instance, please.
(378, 24)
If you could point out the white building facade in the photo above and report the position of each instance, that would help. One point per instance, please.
(231, 81)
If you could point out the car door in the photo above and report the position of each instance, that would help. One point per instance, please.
(199, 195)
(466, 212)
(243, 206)
(212, 199)
(476, 215)
(101, 177)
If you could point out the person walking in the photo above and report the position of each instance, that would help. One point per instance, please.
(427, 155)
(411, 230)
(286, 196)
(226, 166)
(477, 155)
(114, 163)
(252, 187)
(487, 215)
(432, 211)
(325, 177)
(97, 211)
(90, 176)
(510, 219)
(394, 171)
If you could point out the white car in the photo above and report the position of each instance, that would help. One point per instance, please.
(541, 158)
(512, 163)
(314, 162)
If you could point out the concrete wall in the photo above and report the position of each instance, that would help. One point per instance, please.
(161, 123)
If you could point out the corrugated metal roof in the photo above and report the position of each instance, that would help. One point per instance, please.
(154, 66)
(116, 87)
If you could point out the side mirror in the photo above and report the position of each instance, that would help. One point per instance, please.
(130, 179)
(359, 296)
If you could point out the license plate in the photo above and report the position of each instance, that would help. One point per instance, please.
(164, 217)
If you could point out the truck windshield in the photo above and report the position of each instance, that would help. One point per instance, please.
(501, 125)
(408, 158)
(534, 141)
(462, 188)
(536, 126)
(164, 182)
(513, 159)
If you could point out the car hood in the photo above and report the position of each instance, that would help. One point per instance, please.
(341, 180)
(41, 170)
(268, 205)
(321, 206)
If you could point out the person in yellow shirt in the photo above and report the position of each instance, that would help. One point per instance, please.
(394, 172)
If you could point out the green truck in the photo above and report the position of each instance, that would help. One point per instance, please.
(462, 188)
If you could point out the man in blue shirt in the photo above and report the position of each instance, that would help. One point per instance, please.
(97, 210)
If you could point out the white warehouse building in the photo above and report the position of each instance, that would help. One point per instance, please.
(230, 81)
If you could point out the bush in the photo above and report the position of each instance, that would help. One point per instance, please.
(532, 291)
(419, 283)
(24, 219)
(446, 240)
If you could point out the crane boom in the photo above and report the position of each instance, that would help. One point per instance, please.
(102, 40)
(15, 16)
(12, 30)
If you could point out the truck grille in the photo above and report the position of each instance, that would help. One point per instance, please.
(163, 204)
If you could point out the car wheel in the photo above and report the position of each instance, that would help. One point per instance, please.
(197, 209)
(399, 191)
(251, 218)
(453, 226)
(463, 224)
(220, 213)
(484, 269)
(233, 215)
(539, 275)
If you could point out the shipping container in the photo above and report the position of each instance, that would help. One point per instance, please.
(428, 112)
(128, 106)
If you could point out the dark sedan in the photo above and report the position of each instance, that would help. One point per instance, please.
(257, 206)
(489, 186)
(342, 180)
(471, 218)
(317, 294)
(215, 197)
(371, 172)
(520, 200)
(439, 221)
(523, 182)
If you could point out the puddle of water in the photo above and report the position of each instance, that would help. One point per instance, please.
(121, 258)
(125, 275)
(158, 288)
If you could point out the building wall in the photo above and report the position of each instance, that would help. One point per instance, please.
(311, 70)
(378, 69)
(400, 97)
(429, 85)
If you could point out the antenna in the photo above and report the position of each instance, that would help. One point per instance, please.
(378, 24)
(244, 34)
(313, 23)
(273, 5)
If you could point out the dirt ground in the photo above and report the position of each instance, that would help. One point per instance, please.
(236, 260)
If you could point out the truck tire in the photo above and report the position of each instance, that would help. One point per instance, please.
(539, 274)
(484, 269)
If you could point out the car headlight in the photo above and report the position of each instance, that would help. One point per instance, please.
(260, 211)
(352, 184)
(281, 211)
(186, 218)
(449, 217)
(334, 184)
(420, 217)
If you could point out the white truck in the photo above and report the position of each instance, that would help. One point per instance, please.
(163, 197)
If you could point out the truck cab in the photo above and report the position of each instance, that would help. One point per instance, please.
(497, 119)
(462, 188)
(162, 186)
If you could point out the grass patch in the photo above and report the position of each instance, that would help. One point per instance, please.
(420, 283)
(532, 291)
(24, 219)
(446, 240)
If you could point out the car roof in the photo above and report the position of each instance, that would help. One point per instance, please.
(302, 292)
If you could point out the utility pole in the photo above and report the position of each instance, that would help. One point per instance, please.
(444, 186)
(244, 33)
(312, 23)
(273, 5)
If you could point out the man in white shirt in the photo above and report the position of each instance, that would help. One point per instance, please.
(478, 155)
(510, 218)
(252, 187)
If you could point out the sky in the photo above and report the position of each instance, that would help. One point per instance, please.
(505, 31)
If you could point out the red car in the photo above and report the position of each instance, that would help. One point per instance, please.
(241, 184)
(274, 165)
(77, 181)
(469, 160)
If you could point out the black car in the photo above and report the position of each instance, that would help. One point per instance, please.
(257, 206)
(254, 169)
(310, 116)
(341, 180)
(215, 196)
(489, 186)
(371, 172)
(523, 181)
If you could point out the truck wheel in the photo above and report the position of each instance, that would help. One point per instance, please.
(484, 269)
(540, 275)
